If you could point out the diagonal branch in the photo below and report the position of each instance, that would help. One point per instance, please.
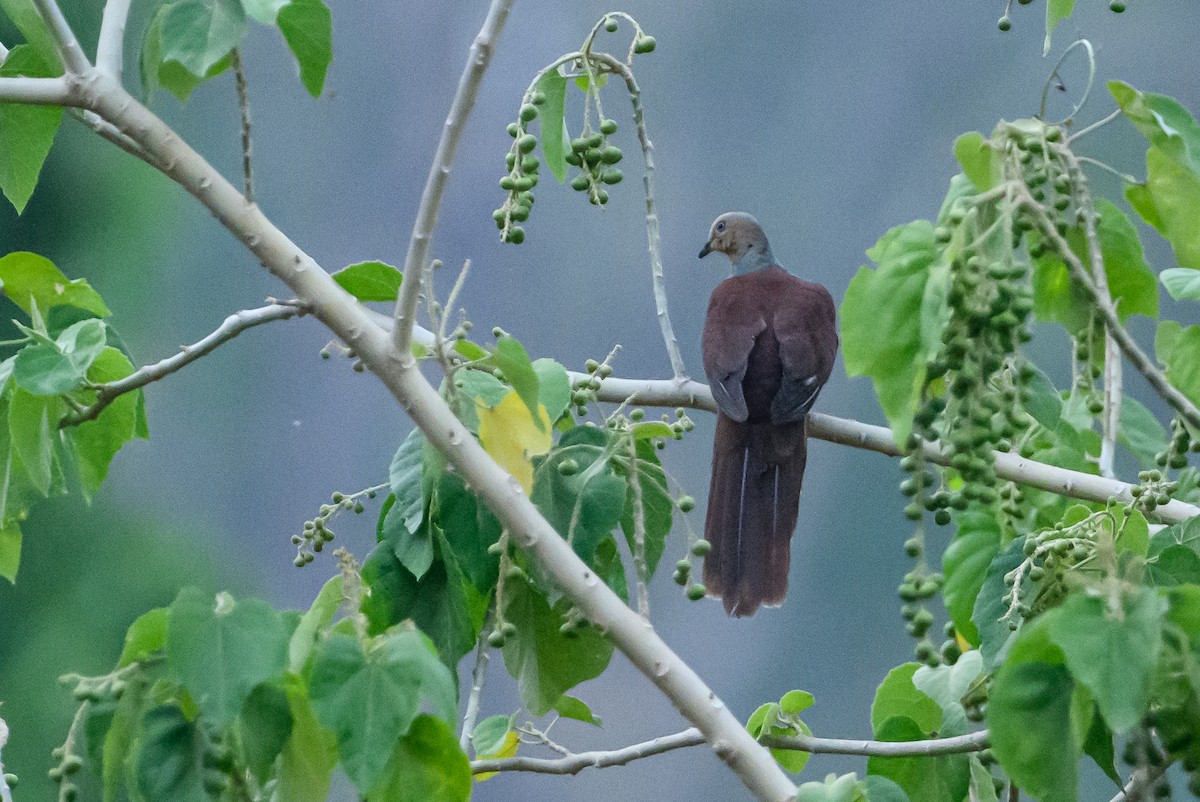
(439, 172)
(1133, 352)
(64, 38)
(693, 394)
(233, 325)
(574, 763)
(110, 47)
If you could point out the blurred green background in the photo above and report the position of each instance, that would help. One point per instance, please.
(831, 122)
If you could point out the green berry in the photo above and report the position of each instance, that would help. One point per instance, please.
(1005, 24)
(696, 592)
(610, 25)
(568, 467)
(496, 639)
(516, 235)
(1117, 7)
(608, 127)
(612, 176)
(686, 504)
(528, 112)
(611, 155)
(701, 547)
(514, 130)
(644, 44)
(580, 183)
(526, 143)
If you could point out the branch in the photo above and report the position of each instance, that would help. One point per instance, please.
(233, 325)
(1140, 782)
(478, 675)
(110, 132)
(243, 93)
(110, 47)
(439, 173)
(668, 393)
(37, 91)
(574, 763)
(1112, 322)
(64, 38)
(652, 235)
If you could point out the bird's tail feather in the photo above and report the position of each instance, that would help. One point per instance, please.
(757, 473)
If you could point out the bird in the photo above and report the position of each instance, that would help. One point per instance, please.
(769, 344)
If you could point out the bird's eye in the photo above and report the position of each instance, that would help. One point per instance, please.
(720, 226)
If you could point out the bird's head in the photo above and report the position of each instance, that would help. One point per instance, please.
(740, 237)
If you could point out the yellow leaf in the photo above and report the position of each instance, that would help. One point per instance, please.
(962, 643)
(508, 748)
(508, 432)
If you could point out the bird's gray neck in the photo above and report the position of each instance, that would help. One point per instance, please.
(754, 259)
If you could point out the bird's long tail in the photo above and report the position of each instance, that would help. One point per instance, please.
(758, 469)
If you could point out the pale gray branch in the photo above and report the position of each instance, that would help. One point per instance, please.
(439, 172)
(233, 325)
(478, 675)
(64, 38)
(36, 91)
(574, 763)
(110, 132)
(669, 393)
(110, 48)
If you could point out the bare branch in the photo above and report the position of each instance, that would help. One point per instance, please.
(37, 91)
(243, 93)
(439, 173)
(652, 235)
(64, 38)
(233, 325)
(640, 568)
(110, 50)
(668, 393)
(574, 763)
(1181, 403)
(110, 132)
(478, 675)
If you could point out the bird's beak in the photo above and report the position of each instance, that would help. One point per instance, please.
(706, 250)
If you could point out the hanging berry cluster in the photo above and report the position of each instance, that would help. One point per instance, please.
(1005, 22)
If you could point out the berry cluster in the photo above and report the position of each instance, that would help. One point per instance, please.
(522, 173)
(316, 533)
(595, 158)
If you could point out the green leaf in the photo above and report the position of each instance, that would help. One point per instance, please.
(1182, 283)
(586, 505)
(482, 386)
(264, 11)
(83, 342)
(979, 160)
(426, 766)
(265, 725)
(990, 607)
(658, 508)
(1045, 402)
(169, 74)
(404, 525)
(33, 428)
(1168, 200)
(768, 719)
(370, 698)
(793, 703)
(145, 636)
(1099, 747)
(982, 787)
(511, 358)
(1111, 652)
(1029, 718)
(554, 387)
(554, 130)
(10, 551)
(26, 131)
(1140, 432)
(965, 565)
(470, 529)
(546, 662)
(170, 759)
(441, 603)
(938, 779)
(97, 441)
(1131, 283)
(45, 370)
(29, 279)
(1056, 12)
(897, 696)
(198, 35)
(1164, 122)
(881, 320)
(572, 708)
(834, 789)
(947, 685)
(881, 789)
(307, 25)
(307, 761)
(1185, 534)
(370, 281)
(220, 649)
(1179, 349)
(318, 616)
(1133, 533)
(116, 760)
(489, 735)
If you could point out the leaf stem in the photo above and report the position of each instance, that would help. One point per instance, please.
(478, 677)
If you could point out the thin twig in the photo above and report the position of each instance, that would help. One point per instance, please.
(110, 132)
(574, 763)
(439, 174)
(652, 234)
(110, 45)
(1140, 782)
(639, 534)
(243, 93)
(1181, 403)
(478, 675)
(232, 326)
(64, 38)
(1087, 92)
(1098, 124)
